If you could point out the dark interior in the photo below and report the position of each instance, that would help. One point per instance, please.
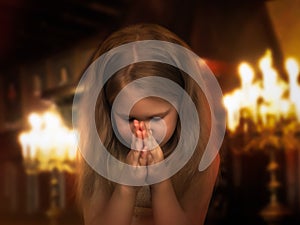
(39, 38)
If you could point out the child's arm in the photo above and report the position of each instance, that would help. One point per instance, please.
(194, 204)
(118, 208)
(114, 210)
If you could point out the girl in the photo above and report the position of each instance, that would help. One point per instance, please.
(155, 129)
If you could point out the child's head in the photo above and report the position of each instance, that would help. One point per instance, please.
(135, 101)
(136, 72)
(138, 94)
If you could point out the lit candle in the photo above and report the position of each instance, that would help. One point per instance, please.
(246, 75)
(263, 111)
(292, 68)
(61, 144)
(32, 145)
(250, 91)
(23, 139)
(285, 108)
(72, 143)
(232, 104)
(35, 121)
(49, 142)
(268, 74)
(273, 88)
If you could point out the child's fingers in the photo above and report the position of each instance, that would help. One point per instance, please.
(150, 160)
(133, 158)
(136, 156)
(150, 141)
(136, 125)
(143, 158)
(137, 138)
(137, 143)
(156, 153)
(144, 134)
(144, 130)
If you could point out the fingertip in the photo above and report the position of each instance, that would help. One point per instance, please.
(139, 134)
(144, 134)
(147, 126)
(142, 125)
(136, 124)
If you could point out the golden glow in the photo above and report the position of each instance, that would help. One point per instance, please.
(233, 116)
(52, 120)
(48, 141)
(246, 75)
(292, 69)
(264, 100)
(35, 121)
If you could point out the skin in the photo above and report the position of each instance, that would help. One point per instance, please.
(154, 113)
(118, 209)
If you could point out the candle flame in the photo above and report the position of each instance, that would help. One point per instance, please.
(264, 100)
(35, 121)
(48, 140)
(246, 74)
(292, 69)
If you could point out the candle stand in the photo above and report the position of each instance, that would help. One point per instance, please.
(272, 141)
(49, 147)
(265, 116)
(275, 212)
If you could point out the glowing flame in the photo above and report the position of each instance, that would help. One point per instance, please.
(263, 100)
(294, 88)
(246, 75)
(47, 140)
(232, 102)
(35, 121)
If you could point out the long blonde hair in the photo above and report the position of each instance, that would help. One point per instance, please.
(88, 179)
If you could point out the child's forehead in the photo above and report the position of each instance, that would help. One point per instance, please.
(134, 92)
(130, 95)
(152, 91)
(132, 101)
(144, 108)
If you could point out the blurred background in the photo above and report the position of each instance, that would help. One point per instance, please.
(253, 49)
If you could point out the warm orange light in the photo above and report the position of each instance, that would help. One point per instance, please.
(48, 140)
(266, 98)
(231, 102)
(292, 68)
(246, 75)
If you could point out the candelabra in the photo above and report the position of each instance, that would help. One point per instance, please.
(266, 114)
(271, 139)
(49, 147)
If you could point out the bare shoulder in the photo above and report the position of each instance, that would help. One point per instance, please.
(197, 197)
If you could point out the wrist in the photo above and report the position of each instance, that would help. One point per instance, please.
(161, 186)
(127, 190)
